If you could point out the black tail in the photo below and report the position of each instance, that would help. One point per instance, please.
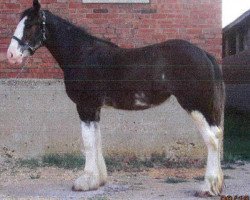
(219, 91)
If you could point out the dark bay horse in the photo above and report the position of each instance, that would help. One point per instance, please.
(99, 73)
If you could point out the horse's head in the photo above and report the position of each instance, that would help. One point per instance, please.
(29, 34)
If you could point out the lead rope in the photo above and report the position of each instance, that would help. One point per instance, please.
(21, 71)
(16, 78)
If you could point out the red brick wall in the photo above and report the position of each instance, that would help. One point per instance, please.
(129, 25)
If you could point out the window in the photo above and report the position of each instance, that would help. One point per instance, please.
(232, 44)
(241, 42)
(242, 39)
(115, 1)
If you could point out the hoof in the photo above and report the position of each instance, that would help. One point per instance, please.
(202, 194)
(213, 186)
(87, 182)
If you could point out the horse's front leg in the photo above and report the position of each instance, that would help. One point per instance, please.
(95, 173)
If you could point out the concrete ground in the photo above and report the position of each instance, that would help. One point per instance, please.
(55, 183)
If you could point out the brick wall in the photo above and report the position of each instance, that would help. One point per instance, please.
(128, 25)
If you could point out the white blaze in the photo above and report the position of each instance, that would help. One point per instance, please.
(14, 53)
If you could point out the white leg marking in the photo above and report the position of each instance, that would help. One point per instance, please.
(95, 173)
(140, 99)
(140, 103)
(14, 53)
(212, 136)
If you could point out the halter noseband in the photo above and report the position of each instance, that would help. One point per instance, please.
(42, 38)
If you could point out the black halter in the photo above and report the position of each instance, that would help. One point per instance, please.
(41, 37)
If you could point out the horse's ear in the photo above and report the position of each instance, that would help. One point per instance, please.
(36, 5)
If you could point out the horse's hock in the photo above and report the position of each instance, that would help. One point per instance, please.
(40, 119)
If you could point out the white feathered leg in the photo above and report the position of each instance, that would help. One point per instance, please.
(95, 172)
(212, 136)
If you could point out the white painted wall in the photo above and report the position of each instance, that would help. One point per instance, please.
(37, 118)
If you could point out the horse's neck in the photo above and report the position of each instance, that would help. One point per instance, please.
(64, 42)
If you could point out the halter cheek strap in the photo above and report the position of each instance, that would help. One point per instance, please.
(42, 39)
(20, 42)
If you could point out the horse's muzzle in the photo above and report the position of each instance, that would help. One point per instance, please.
(14, 56)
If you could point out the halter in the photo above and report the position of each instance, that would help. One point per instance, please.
(42, 37)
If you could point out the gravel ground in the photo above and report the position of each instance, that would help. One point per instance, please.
(55, 183)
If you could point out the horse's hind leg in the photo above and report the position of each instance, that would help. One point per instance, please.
(212, 136)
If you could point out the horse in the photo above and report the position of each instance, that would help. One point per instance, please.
(99, 73)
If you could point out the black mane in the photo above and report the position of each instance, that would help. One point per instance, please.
(74, 28)
(79, 30)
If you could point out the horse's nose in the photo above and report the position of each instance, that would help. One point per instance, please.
(14, 55)
(9, 54)
(11, 57)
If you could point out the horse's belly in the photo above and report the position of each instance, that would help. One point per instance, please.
(137, 100)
